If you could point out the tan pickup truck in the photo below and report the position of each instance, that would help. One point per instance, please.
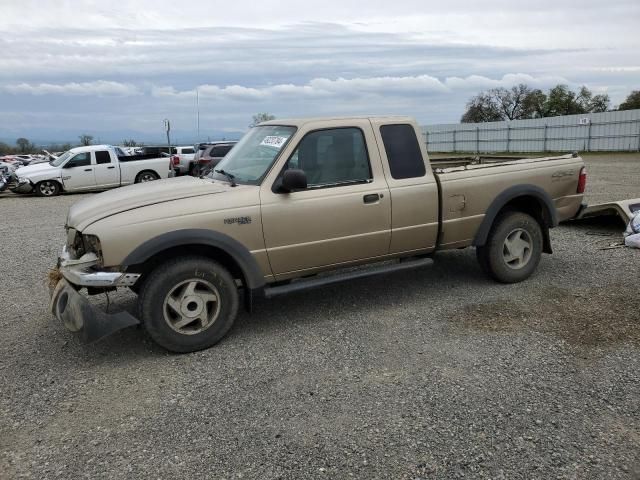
(292, 204)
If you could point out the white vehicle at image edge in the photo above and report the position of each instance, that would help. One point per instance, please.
(95, 167)
(183, 159)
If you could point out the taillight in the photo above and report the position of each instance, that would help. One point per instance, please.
(176, 160)
(582, 180)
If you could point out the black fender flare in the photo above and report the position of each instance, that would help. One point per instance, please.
(240, 254)
(549, 217)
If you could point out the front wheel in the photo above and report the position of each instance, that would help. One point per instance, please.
(47, 188)
(513, 249)
(146, 177)
(188, 304)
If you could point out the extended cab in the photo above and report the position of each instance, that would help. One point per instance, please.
(295, 198)
(95, 167)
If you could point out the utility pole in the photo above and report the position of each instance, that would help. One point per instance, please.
(198, 112)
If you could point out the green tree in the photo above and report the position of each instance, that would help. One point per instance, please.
(129, 143)
(632, 101)
(261, 117)
(85, 139)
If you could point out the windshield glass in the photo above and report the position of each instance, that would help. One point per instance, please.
(250, 159)
(61, 159)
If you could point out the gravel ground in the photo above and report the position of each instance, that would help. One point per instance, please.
(437, 374)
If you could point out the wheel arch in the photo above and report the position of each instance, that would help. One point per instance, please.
(146, 170)
(234, 256)
(529, 199)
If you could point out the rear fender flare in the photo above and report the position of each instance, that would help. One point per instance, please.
(549, 217)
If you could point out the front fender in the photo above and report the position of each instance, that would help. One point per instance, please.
(240, 254)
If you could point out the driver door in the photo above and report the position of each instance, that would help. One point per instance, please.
(343, 216)
(78, 174)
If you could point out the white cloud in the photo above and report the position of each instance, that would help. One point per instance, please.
(99, 88)
(387, 87)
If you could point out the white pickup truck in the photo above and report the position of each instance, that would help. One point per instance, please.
(95, 167)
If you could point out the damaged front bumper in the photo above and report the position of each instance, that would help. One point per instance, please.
(73, 309)
(20, 185)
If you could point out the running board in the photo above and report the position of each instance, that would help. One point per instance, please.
(316, 282)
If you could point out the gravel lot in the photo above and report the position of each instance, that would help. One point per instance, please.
(437, 374)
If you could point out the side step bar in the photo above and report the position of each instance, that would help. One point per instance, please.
(316, 282)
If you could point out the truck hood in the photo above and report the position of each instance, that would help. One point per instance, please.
(102, 205)
(37, 169)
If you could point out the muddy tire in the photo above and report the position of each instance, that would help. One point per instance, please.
(188, 303)
(513, 249)
(47, 188)
(146, 176)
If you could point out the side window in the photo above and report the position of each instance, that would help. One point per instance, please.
(330, 157)
(188, 151)
(403, 151)
(220, 151)
(103, 157)
(80, 160)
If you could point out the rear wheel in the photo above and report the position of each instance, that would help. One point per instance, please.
(47, 188)
(513, 249)
(188, 303)
(147, 176)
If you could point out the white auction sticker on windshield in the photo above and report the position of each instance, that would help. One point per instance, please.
(274, 141)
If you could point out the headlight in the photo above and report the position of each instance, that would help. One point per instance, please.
(22, 180)
(92, 245)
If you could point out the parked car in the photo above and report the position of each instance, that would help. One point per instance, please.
(293, 199)
(96, 167)
(209, 155)
(182, 160)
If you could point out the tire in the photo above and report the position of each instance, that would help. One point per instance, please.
(47, 188)
(188, 303)
(146, 176)
(513, 249)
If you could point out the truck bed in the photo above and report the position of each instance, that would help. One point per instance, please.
(453, 164)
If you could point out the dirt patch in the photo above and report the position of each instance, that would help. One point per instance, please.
(591, 317)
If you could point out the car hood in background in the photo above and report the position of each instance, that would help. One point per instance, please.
(37, 169)
(90, 210)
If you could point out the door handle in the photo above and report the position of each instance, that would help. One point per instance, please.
(371, 198)
(87, 169)
(110, 167)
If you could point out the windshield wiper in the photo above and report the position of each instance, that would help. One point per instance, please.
(229, 176)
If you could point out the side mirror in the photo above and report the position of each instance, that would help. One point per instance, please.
(293, 180)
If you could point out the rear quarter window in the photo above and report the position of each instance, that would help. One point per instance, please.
(403, 151)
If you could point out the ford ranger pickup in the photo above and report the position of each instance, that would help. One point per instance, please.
(292, 205)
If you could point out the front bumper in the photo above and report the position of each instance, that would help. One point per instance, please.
(20, 187)
(88, 322)
(82, 272)
(76, 313)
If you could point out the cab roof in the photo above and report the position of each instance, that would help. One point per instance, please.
(298, 122)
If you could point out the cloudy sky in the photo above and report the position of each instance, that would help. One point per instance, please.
(117, 69)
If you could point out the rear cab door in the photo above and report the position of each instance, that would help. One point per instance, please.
(345, 213)
(77, 172)
(412, 184)
(107, 172)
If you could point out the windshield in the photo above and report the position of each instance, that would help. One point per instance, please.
(61, 159)
(250, 159)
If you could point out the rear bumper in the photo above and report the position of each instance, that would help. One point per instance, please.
(86, 321)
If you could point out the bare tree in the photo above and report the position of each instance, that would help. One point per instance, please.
(85, 139)
(23, 144)
(261, 117)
